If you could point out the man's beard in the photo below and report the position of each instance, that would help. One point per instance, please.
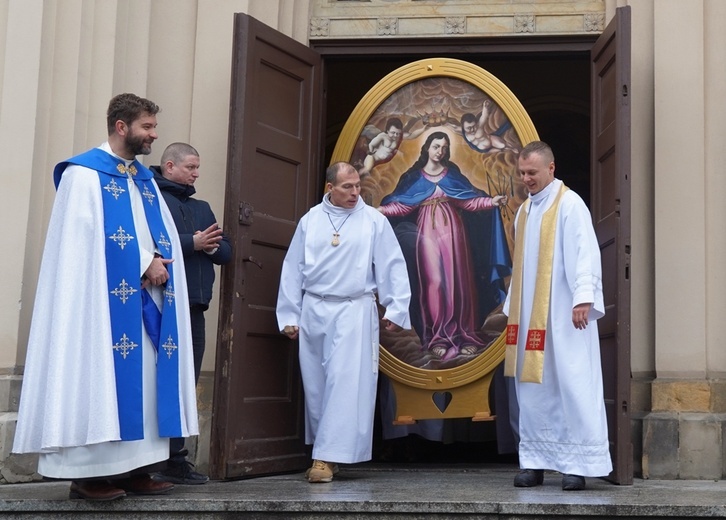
(136, 145)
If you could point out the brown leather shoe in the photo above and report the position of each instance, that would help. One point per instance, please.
(143, 485)
(334, 466)
(321, 471)
(95, 490)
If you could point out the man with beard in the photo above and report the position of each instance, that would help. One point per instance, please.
(109, 373)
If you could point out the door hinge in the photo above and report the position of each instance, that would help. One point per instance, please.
(246, 213)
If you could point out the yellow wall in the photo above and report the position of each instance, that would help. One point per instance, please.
(60, 68)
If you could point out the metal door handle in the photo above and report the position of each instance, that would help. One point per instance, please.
(253, 260)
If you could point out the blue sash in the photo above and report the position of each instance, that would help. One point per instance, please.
(129, 305)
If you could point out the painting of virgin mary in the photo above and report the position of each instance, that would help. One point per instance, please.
(441, 209)
(448, 189)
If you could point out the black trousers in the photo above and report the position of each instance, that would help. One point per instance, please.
(177, 453)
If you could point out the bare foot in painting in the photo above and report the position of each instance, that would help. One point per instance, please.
(438, 350)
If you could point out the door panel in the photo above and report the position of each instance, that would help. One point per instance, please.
(610, 205)
(257, 421)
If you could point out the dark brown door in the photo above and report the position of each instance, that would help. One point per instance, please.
(610, 205)
(272, 180)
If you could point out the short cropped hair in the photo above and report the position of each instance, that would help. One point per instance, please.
(177, 152)
(331, 174)
(128, 108)
(540, 148)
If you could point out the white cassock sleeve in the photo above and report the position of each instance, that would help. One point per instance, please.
(582, 256)
(290, 293)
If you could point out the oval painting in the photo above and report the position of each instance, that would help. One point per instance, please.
(436, 144)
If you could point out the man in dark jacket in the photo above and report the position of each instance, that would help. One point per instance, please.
(203, 245)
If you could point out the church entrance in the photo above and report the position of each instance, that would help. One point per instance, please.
(289, 106)
(554, 89)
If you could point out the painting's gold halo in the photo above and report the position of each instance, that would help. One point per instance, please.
(499, 93)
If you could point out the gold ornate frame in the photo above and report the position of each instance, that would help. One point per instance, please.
(483, 365)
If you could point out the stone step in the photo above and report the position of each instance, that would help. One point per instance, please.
(395, 492)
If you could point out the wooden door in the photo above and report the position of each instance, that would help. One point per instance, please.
(272, 180)
(610, 206)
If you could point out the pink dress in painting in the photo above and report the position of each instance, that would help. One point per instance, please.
(446, 273)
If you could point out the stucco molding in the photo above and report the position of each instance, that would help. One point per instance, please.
(461, 18)
(387, 26)
(455, 24)
(524, 23)
(319, 27)
(594, 22)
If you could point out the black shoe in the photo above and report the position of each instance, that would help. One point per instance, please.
(181, 473)
(573, 482)
(529, 478)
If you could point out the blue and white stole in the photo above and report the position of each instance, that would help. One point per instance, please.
(129, 305)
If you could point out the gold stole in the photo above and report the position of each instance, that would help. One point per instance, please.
(534, 348)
